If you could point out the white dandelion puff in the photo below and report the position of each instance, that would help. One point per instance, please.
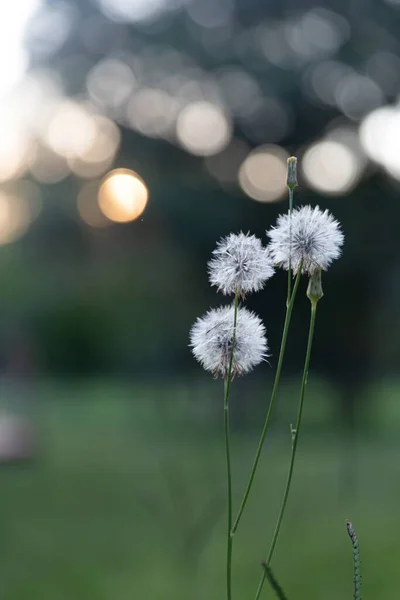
(311, 238)
(240, 265)
(211, 341)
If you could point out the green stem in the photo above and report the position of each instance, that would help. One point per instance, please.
(288, 316)
(294, 445)
(273, 581)
(356, 561)
(289, 285)
(227, 386)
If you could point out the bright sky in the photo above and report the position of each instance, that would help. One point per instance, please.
(14, 17)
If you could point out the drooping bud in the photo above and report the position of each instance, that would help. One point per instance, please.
(291, 181)
(314, 290)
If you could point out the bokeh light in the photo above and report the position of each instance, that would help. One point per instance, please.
(384, 68)
(110, 83)
(18, 208)
(210, 14)
(317, 33)
(331, 167)
(356, 95)
(47, 166)
(203, 128)
(50, 27)
(13, 55)
(153, 112)
(122, 195)
(224, 166)
(269, 120)
(71, 131)
(88, 206)
(380, 138)
(320, 81)
(34, 101)
(262, 175)
(98, 157)
(16, 148)
(240, 89)
(133, 10)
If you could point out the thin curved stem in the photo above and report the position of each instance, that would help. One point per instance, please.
(289, 284)
(288, 316)
(273, 582)
(227, 389)
(294, 445)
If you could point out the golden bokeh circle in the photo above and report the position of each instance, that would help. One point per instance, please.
(122, 195)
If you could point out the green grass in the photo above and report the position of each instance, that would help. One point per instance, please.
(126, 501)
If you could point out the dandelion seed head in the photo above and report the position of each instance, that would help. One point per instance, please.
(211, 340)
(310, 237)
(240, 264)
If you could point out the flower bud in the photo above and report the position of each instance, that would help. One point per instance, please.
(314, 290)
(291, 181)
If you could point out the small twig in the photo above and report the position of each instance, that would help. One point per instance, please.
(356, 560)
(273, 581)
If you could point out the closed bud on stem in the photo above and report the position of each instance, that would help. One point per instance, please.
(314, 290)
(291, 181)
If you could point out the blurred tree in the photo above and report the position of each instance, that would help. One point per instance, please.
(123, 297)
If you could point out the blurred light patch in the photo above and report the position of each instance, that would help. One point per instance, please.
(16, 148)
(153, 112)
(316, 34)
(321, 81)
(71, 131)
(122, 196)
(30, 193)
(380, 138)
(357, 95)
(215, 41)
(375, 133)
(270, 120)
(225, 165)
(89, 169)
(110, 83)
(203, 128)
(16, 214)
(193, 86)
(34, 100)
(50, 27)
(240, 90)
(337, 84)
(88, 206)
(210, 14)
(262, 175)
(384, 68)
(348, 136)
(74, 68)
(172, 61)
(135, 10)
(272, 44)
(98, 157)
(47, 166)
(15, 17)
(331, 167)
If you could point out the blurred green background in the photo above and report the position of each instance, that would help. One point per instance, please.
(133, 135)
